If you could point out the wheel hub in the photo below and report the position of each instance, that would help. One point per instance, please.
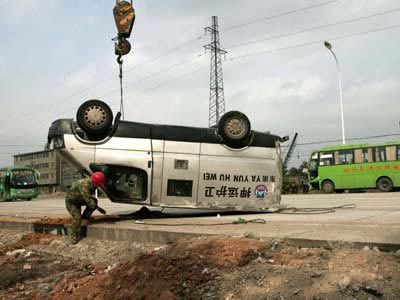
(95, 116)
(235, 127)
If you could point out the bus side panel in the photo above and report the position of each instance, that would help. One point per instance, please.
(180, 174)
(158, 162)
(247, 179)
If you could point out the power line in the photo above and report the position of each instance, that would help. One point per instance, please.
(335, 141)
(25, 145)
(30, 125)
(170, 81)
(315, 42)
(141, 93)
(107, 79)
(128, 70)
(314, 28)
(350, 139)
(280, 15)
(157, 73)
(296, 46)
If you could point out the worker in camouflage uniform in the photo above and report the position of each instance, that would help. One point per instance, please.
(81, 194)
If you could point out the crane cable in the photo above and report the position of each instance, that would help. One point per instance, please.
(121, 107)
(124, 16)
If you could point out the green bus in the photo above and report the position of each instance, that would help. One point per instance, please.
(18, 183)
(362, 166)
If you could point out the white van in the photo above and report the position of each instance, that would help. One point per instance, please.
(226, 167)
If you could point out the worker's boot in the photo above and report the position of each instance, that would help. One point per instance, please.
(73, 240)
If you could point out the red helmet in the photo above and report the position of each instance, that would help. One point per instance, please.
(98, 178)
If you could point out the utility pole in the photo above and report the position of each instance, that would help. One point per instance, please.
(217, 101)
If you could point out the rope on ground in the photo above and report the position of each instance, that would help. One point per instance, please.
(236, 222)
(312, 210)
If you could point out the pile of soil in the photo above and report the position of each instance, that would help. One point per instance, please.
(67, 221)
(198, 268)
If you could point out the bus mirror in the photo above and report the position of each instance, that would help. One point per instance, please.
(285, 139)
(37, 174)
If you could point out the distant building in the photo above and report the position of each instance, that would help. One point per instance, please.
(55, 174)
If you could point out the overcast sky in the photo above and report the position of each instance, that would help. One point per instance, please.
(54, 55)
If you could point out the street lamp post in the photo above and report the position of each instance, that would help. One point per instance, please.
(329, 47)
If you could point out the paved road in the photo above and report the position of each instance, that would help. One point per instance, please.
(380, 207)
(375, 219)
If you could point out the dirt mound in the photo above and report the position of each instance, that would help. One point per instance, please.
(66, 221)
(28, 240)
(38, 267)
(183, 271)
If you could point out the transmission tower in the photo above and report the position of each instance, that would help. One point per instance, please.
(217, 101)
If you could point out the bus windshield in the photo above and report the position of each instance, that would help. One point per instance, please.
(23, 177)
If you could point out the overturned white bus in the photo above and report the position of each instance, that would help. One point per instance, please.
(226, 167)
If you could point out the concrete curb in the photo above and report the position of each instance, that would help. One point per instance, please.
(163, 237)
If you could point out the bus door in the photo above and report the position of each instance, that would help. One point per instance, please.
(4, 184)
(180, 174)
(127, 164)
(313, 166)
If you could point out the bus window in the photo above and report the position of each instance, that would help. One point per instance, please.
(346, 156)
(380, 154)
(180, 188)
(398, 152)
(365, 154)
(359, 155)
(391, 153)
(337, 160)
(23, 177)
(124, 182)
(326, 159)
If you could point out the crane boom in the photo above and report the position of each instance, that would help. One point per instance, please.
(289, 153)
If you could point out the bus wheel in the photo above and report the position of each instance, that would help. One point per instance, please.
(28, 199)
(94, 117)
(384, 184)
(328, 187)
(234, 127)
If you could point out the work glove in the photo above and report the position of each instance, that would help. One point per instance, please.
(101, 210)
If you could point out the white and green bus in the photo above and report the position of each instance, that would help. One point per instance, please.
(18, 183)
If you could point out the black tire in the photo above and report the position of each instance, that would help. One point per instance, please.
(235, 129)
(94, 117)
(28, 199)
(328, 187)
(384, 184)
